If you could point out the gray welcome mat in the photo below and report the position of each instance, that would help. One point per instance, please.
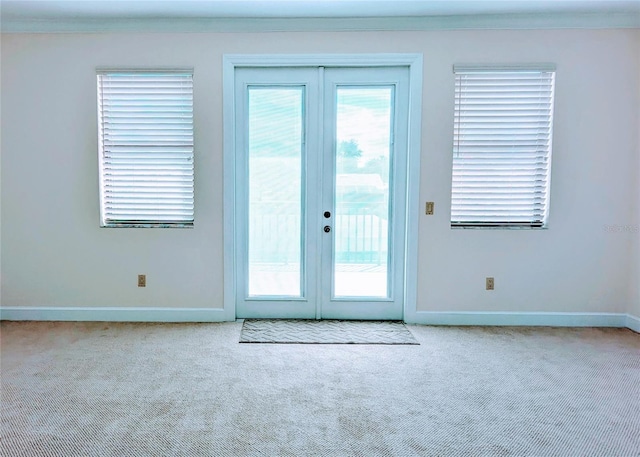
(325, 332)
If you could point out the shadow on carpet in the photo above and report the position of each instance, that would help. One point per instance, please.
(307, 331)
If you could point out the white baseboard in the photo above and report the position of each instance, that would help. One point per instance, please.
(113, 314)
(123, 314)
(523, 319)
(633, 323)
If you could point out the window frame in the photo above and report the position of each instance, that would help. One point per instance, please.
(105, 220)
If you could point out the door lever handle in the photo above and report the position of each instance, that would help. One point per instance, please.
(327, 229)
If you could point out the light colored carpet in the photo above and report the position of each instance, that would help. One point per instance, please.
(306, 331)
(102, 389)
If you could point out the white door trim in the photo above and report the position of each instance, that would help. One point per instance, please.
(229, 64)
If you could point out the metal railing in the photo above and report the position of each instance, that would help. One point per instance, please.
(360, 232)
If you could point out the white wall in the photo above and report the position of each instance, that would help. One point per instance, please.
(634, 282)
(54, 253)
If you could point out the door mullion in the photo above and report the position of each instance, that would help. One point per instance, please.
(319, 206)
(327, 186)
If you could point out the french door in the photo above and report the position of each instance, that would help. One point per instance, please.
(321, 162)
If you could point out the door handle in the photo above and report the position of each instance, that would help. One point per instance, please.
(327, 229)
(327, 214)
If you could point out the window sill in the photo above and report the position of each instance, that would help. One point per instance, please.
(146, 225)
(497, 227)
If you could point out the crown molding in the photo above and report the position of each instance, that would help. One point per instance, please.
(229, 25)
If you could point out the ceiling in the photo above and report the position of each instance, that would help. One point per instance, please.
(56, 9)
(43, 11)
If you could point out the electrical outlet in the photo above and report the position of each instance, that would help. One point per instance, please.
(142, 280)
(490, 283)
(428, 210)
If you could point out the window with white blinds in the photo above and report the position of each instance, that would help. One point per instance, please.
(502, 146)
(145, 123)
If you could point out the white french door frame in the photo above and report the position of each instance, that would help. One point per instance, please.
(231, 235)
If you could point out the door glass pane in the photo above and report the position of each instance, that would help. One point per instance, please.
(275, 191)
(363, 157)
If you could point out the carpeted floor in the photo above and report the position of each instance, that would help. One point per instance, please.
(103, 389)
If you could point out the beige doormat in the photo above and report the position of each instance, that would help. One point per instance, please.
(306, 331)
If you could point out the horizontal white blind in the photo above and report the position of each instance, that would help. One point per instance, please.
(146, 147)
(502, 146)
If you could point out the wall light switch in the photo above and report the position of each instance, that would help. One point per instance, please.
(429, 209)
(142, 280)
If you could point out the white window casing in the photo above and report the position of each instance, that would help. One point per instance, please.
(145, 127)
(503, 121)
